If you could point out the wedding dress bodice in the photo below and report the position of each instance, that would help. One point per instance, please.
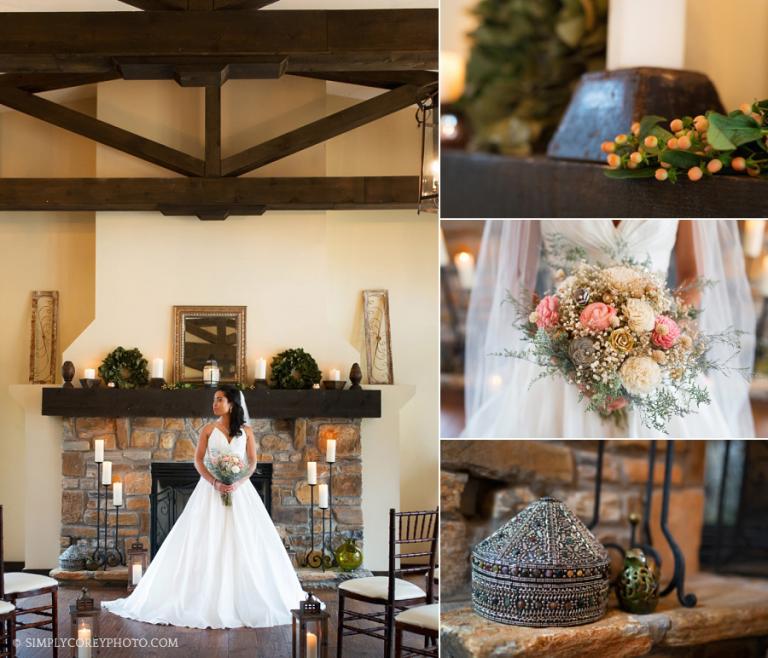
(600, 239)
(217, 443)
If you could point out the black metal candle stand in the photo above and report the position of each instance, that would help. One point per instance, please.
(330, 513)
(677, 583)
(313, 558)
(115, 556)
(98, 556)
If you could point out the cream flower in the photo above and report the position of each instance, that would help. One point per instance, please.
(624, 279)
(640, 315)
(640, 375)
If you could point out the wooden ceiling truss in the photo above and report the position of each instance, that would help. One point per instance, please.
(205, 43)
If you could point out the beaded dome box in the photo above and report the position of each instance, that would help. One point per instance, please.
(542, 568)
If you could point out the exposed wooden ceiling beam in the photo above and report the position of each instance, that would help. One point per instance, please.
(237, 196)
(37, 82)
(213, 131)
(321, 130)
(242, 4)
(102, 132)
(378, 79)
(156, 5)
(311, 41)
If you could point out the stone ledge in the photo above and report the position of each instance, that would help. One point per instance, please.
(311, 579)
(729, 608)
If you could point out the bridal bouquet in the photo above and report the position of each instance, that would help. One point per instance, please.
(227, 468)
(624, 339)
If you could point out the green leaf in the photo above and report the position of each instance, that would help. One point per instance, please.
(682, 159)
(646, 172)
(647, 124)
(727, 132)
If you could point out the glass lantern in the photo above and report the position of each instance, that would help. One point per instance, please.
(310, 629)
(84, 627)
(429, 180)
(137, 564)
(211, 372)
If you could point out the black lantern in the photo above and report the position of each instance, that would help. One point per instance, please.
(137, 564)
(429, 179)
(310, 629)
(84, 627)
(211, 372)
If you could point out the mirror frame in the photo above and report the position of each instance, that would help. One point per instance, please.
(181, 313)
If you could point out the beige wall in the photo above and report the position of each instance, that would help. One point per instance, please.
(300, 274)
(39, 251)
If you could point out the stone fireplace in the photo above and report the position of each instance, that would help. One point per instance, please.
(135, 444)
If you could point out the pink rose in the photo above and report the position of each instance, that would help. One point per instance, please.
(665, 332)
(597, 316)
(615, 404)
(546, 312)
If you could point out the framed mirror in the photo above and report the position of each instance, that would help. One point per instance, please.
(202, 332)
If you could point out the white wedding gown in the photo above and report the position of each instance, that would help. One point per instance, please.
(550, 408)
(219, 567)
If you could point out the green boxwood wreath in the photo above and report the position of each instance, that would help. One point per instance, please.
(127, 368)
(295, 369)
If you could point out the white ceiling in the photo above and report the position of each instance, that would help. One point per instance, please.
(115, 5)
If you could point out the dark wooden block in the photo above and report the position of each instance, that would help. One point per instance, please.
(195, 403)
(479, 185)
(606, 104)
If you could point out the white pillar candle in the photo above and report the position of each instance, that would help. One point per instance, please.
(445, 259)
(754, 230)
(311, 645)
(261, 368)
(323, 490)
(335, 375)
(451, 76)
(117, 494)
(465, 266)
(311, 472)
(330, 450)
(630, 20)
(158, 369)
(135, 574)
(90, 373)
(106, 474)
(98, 446)
(84, 636)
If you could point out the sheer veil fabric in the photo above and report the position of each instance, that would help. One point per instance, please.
(500, 401)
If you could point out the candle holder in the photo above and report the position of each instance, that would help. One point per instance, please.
(323, 560)
(97, 556)
(334, 384)
(330, 510)
(90, 383)
(312, 558)
(106, 526)
(115, 555)
(157, 382)
(260, 384)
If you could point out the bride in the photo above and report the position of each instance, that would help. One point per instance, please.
(501, 399)
(220, 566)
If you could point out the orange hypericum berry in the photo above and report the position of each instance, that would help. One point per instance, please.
(746, 108)
(651, 141)
(636, 157)
(661, 174)
(607, 147)
(754, 171)
(672, 143)
(684, 143)
(635, 128)
(666, 165)
(713, 166)
(757, 117)
(739, 164)
(621, 139)
(613, 161)
(701, 123)
(676, 125)
(631, 164)
(695, 173)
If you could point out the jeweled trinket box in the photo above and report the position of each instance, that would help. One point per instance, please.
(542, 568)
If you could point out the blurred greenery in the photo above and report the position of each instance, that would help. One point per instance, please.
(526, 58)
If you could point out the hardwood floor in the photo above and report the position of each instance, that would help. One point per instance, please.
(193, 643)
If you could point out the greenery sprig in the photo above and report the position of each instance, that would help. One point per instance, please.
(698, 147)
(126, 368)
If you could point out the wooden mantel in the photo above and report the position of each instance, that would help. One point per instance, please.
(196, 403)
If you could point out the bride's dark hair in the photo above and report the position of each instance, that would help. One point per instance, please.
(236, 415)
